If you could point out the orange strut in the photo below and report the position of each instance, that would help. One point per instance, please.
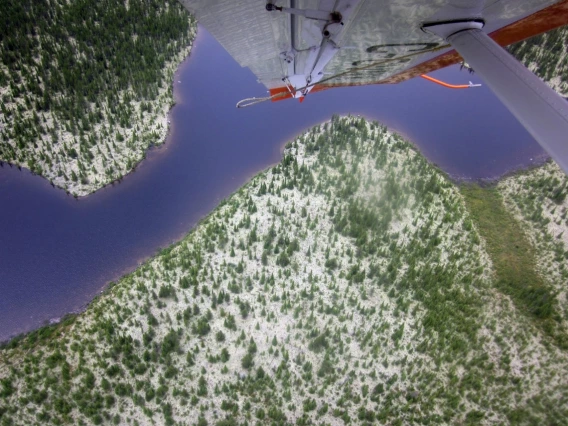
(441, 83)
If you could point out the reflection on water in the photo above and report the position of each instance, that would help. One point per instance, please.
(56, 252)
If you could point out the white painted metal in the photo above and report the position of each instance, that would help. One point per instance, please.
(447, 29)
(381, 38)
(313, 44)
(541, 110)
(372, 30)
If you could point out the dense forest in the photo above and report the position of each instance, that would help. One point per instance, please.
(352, 283)
(85, 86)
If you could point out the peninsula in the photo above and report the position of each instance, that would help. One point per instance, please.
(85, 87)
(350, 283)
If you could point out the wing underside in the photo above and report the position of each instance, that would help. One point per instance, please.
(308, 45)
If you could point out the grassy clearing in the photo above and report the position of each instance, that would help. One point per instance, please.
(513, 258)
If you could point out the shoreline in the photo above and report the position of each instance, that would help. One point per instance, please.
(164, 122)
(58, 320)
(419, 307)
(536, 163)
(152, 127)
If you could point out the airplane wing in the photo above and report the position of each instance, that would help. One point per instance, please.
(330, 43)
(295, 47)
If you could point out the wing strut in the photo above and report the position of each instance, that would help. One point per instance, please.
(540, 109)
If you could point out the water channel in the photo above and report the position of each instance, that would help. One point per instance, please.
(57, 253)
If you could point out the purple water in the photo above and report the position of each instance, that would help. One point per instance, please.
(57, 253)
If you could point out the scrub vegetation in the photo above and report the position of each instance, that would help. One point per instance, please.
(546, 56)
(85, 87)
(515, 261)
(537, 199)
(348, 284)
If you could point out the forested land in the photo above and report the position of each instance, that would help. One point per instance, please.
(348, 284)
(538, 199)
(85, 86)
(547, 56)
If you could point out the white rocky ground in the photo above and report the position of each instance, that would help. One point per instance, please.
(345, 285)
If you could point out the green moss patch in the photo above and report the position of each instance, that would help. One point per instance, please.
(513, 258)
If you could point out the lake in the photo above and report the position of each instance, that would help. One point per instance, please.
(57, 253)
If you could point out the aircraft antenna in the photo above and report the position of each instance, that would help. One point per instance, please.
(449, 86)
